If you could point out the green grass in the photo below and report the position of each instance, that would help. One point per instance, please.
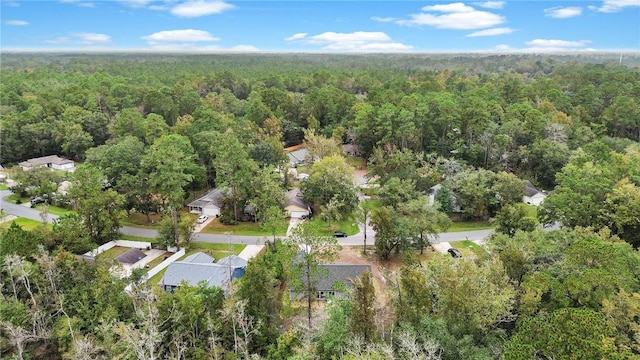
(469, 249)
(13, 198)
(138, 238)
(348, 226)
(56, 210)
(155, 262)
(532, 211)
(24, 223)
(243, 228)
(4, 187)
(155, 279)
(113, 252)
(457, 226)
(217, 251)
(140, 220)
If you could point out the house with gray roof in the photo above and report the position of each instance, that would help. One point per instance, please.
(199, 267)
(209, 204)
(52, 161)
(297, 156)
(533, 196)
(235, 262)
(295, 207)
(334, 280)
(199, 258)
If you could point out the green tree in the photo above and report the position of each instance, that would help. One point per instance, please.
(363, 311)
(100, 209)
(565, 334)
(423, 220)
(513, 218)
(313, 250)
(330, 179)
(363, 216)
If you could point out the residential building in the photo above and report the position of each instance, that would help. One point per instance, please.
(295, 207)
(533, 196)
(53, 162)
(335, 280)
(210, 204)
(199, 267)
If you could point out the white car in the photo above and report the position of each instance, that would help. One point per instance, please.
(202, 218)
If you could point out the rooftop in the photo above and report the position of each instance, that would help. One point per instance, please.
(131, 256)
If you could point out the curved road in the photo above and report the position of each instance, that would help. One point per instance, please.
(29, 213)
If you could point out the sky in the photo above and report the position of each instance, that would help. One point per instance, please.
(320, 26)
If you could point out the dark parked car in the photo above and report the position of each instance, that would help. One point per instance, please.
(339, 234)
(35, 200)
(455, 253)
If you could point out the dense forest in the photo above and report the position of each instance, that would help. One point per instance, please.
(161, 127)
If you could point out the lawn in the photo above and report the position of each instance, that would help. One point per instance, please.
(113, 252)
(243, 228)
(532, 211)
(457, 226)
(3, 187)
(155, 262)
(470, 249)
(13, 198)
(140, 220)
(56, 210)
(24, 223)
(348, 226)
(138, 238)
(155, 279)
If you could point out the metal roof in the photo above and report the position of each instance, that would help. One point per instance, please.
(199, 258)
(234, 261)
(193, 273)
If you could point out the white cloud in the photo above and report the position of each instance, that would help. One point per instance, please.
(79, 3)
(456, 16)
(550, 43)
(609, 6)
(359, 41)
(197, 8)
(383, 19)
(82, 38)
(503, 47)
(560, 12)
(297, 36)
(173, 37)
(449, 8)
(16, 22)
(491, 4)
(491, 32)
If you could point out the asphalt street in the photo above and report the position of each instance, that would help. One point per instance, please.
(34, 214)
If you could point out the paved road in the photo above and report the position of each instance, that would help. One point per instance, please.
(26, 212)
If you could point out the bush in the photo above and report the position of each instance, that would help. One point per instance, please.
(19, 201)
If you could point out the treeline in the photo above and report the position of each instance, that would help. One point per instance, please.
(534, 108)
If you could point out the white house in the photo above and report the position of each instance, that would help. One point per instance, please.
(210, 204)
(533, 196)
(53, 162)
(295, 207)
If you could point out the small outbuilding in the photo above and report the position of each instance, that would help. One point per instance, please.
(533, 196)
(131, 256)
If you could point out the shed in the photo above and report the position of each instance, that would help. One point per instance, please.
(131, 256)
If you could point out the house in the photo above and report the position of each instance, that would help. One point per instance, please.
(210, 204)
(433, 191)
(335, 279)
(3, 174)
(53, 162)
(533, 196)
(295, 207)
(297, 155)
(199, 267)
(235, 262)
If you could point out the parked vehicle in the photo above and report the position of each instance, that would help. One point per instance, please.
(339, 234)
(454, 252)
(202, 219)
(35, 200)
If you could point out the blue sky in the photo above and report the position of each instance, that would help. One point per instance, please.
(320, 26)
